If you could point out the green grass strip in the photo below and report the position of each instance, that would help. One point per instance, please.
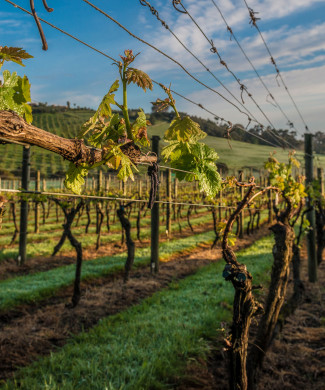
(39, 285)
(46, 246)
(148, 345)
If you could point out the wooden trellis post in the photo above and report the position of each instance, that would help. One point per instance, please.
(169, 198)
(320, 177)
(37, 188)
(241, 215)
(24, 206)
(155, 218)
(311, 236)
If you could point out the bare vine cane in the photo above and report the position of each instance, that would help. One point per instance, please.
(245, 305)
(177, 2)
(227, 133)
(38, 23)
(69, 217)
(129, 242)
(3, 202)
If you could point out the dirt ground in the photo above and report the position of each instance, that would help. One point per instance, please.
(31, 331)
(296, 358)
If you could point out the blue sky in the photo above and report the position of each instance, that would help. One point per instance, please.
(294, 30)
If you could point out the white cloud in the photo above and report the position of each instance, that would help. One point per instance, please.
(288, 45)
(275, 9)
(306, 86)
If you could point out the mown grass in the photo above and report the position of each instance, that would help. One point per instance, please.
(52, 227)
(148, 345)
(49, 240)
(37, 286)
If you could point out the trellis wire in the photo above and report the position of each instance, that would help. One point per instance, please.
(253, 22)
(289, 122)
(114, 60)
(95, 197)
(242, 86)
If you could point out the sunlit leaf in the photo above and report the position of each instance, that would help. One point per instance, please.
(139, 129)
(15, 94)
(74, 178)
(184, 130)
(104, 111)
(197, 158)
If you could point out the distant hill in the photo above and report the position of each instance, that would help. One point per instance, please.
(66, 122)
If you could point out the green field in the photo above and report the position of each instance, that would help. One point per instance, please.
(67, 124)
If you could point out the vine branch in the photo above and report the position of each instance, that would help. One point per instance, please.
(15, 129)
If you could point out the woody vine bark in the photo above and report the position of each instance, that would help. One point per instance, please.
(245, 306)
(69, 217)
(282, 254)
(15, 129)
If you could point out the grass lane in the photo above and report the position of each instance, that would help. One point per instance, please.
(37, 286)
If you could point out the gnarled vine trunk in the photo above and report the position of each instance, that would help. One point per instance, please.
(320, 231)
(69, 217)
(126, 226)
(244, 308)
(282, 254)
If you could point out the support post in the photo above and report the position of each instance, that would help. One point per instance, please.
(37, 188)
(320, 177)
(155, 217)
(169, 198)
(140, 188)
(270, 204)
(241, 215)
(24, 207)
(175, 189)
(100, 181)
(311, 236)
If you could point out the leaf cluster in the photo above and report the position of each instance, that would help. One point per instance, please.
(221, 227)
(184, 152)
(110, 131)
(280, 175)
(15, 90)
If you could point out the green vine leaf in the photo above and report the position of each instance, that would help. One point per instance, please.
(15, 94)
(280, 175)
(184, 130)
(139, 129)
(169, 149)
(138, 77)
(104, 111)
(74, 177)
(200, 160)
(116, 159)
